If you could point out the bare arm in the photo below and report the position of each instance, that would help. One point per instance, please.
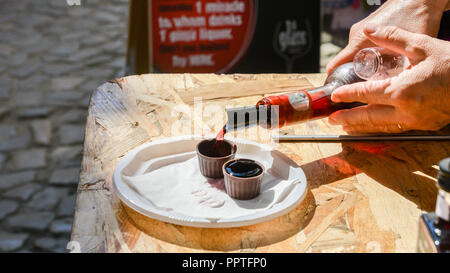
(417, 16)
(417, 99)
(442, 5)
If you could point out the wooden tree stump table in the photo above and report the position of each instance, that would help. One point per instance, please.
(362, 197)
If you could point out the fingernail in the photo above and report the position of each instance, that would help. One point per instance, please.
(349, 129)
(370, 28)
(332, 121)
(334, 97)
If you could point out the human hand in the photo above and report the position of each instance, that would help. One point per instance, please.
(418, 16)
(417, 99)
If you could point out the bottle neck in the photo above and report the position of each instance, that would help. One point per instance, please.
(344, 74)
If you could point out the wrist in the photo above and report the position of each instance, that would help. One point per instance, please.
(435, 5)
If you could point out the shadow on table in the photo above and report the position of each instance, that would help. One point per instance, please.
(226, 239)
(404, 167)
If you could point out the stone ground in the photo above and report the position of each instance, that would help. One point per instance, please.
(328, 50)
(52, 56)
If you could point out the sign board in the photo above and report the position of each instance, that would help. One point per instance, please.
(234, 36)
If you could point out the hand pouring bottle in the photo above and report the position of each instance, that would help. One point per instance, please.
(282, 110)
(279, 111)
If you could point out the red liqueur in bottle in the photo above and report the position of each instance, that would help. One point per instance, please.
(311, 104)
(278, 111)
(305, 105)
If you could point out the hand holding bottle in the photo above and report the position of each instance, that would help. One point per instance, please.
(417, 99)
(418, 16)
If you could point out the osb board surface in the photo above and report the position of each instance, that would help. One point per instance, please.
(362, 197)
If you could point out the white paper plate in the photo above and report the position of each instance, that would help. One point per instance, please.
(280, 164)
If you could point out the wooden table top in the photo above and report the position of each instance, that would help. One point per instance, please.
(362, 197)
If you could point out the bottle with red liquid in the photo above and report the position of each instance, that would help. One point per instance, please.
(434, 227)
(287, 109)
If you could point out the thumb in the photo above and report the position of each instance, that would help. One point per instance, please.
(398, 40)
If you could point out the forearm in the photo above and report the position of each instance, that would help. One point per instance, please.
(431, 12)
(437, 5)
(445, 4)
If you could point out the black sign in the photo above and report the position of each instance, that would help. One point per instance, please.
(286, 38)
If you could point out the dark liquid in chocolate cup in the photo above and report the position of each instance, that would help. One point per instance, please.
(215, 148)
(243, 168)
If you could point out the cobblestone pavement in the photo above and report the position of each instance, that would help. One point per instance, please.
(52, 56)
(328, 50)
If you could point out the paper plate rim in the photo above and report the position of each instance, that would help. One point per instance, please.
(121, 189)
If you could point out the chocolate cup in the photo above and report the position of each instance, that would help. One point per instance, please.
(242, 188)
(210, 166)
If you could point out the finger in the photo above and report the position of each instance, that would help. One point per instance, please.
(370, 92)
(398, 40)
(391, 129)
(357, 42)
(346, 55)
(370, 116)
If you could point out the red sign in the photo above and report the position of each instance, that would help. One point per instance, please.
(201, 36)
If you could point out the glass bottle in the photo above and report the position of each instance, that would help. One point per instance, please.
(282, 110)
(305, 105)
(434, 227)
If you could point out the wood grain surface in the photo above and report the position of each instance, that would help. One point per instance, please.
(362, 197)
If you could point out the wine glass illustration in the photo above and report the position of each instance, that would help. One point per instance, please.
(292, 42)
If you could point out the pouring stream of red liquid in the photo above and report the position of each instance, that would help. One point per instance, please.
(219, 146)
